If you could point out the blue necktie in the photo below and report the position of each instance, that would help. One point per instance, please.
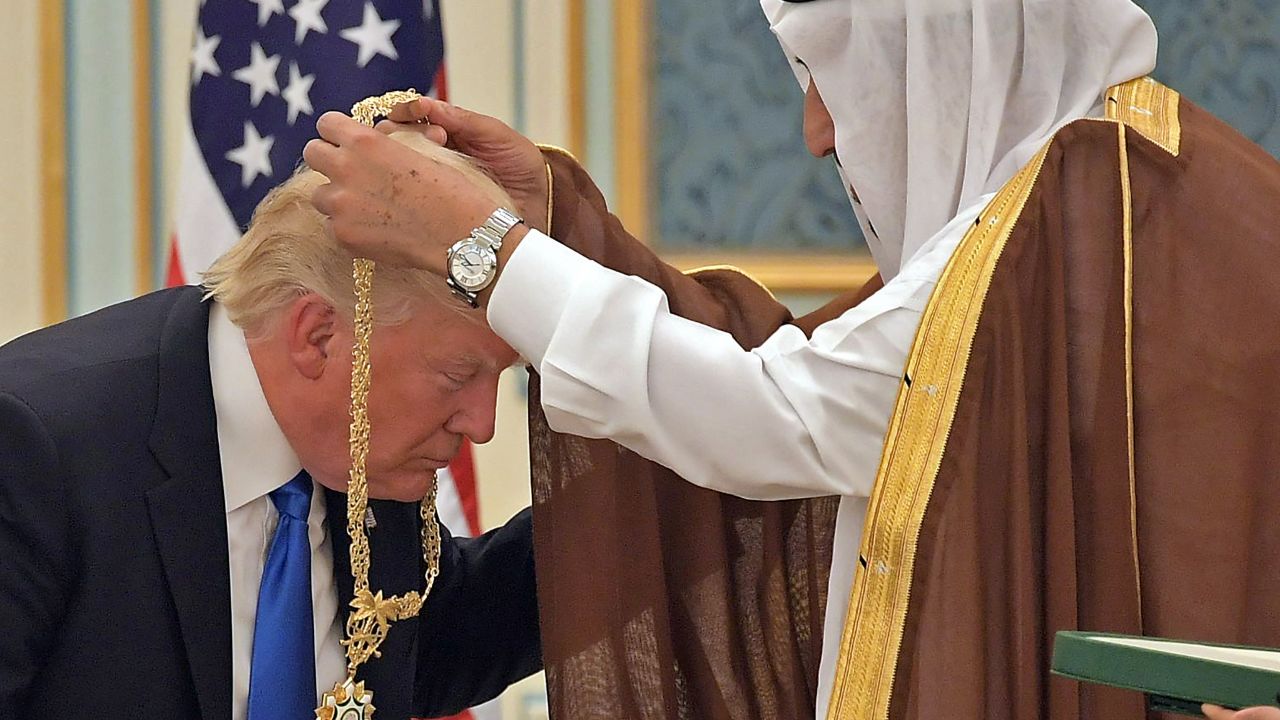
(282, 676)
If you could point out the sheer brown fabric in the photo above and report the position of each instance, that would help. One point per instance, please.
(1030, 528)
(660, 599)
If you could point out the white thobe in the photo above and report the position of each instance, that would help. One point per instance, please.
(794, 418)
(256, 459)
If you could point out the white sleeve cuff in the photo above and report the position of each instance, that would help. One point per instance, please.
(533, 293)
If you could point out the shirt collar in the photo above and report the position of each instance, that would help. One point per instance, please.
(256, 458)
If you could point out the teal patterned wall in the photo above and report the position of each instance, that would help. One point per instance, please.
(730, 172)
(1224, 55)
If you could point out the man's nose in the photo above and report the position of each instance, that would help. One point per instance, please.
(475, 416)
(819, 128)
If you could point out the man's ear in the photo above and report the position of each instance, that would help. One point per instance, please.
(310, 326)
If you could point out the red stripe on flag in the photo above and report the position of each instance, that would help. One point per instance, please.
(174, 277)
(441, 84)
(463, 469)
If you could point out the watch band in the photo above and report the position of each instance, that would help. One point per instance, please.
(496, 227)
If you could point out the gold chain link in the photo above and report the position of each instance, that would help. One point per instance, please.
(367, 627)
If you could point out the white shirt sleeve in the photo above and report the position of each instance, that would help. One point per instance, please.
(796, 417)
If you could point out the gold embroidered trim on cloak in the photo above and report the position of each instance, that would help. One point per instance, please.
(694, 272)
(1126, 199)
(556, 149)
(926, 406)
(551, 189)
(913, 452)
(551, 195)
(1150, 108)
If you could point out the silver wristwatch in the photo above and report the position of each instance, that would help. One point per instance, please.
(472, 262)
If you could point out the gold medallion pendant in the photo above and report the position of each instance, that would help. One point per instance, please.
(372, 614)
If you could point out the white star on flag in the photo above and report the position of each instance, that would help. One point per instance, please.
(253, 156)
(202, 60)
(267, 8)
(298, 92)
(307, 16)
(373, 36)
(259, 74)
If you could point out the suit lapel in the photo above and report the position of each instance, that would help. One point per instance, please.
(394, 556)
(188, 512)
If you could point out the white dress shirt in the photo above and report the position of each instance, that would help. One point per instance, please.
(795, 418)
(257, 459)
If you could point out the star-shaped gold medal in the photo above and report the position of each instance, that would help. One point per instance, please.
(348, 701)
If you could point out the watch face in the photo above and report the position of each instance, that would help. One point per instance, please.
(471, 265)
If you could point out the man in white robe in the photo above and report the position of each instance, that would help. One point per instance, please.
(928, 107)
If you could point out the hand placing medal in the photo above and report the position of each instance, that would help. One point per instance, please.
(407, 210)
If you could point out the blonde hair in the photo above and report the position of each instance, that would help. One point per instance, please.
(288, 252)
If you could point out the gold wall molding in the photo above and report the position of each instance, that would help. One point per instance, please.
(53, 160)
(143, 148)
(632, 116)
(575, 17)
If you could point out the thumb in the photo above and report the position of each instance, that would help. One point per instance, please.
(434, 133)
(1258, 713)
(467, 130)
(412, 111)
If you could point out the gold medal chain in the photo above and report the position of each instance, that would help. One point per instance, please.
(372, 615)
(367, 627)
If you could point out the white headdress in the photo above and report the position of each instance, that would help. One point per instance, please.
(939, 102)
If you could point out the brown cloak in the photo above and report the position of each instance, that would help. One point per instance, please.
(1086, 438)
(1089, 432)
(660, 599)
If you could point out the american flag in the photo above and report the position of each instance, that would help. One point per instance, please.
(262, 71)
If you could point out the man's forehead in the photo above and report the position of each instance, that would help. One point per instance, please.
(456, 336)
(474, 345)
(495, 359)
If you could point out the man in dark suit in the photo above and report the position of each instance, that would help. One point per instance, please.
(144, 450)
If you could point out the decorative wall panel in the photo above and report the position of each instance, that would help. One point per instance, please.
(1224, 55)
(729, 169)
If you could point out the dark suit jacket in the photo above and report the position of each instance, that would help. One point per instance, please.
(114, 591)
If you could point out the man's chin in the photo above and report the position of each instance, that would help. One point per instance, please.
(410, 487)
(404, 486)
(329, 483)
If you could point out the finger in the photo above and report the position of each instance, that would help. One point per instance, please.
(323, 198)
(339, 129)
(434, 133)
(321, 156)
(465, 127)
(390, 127)
(412, 111)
